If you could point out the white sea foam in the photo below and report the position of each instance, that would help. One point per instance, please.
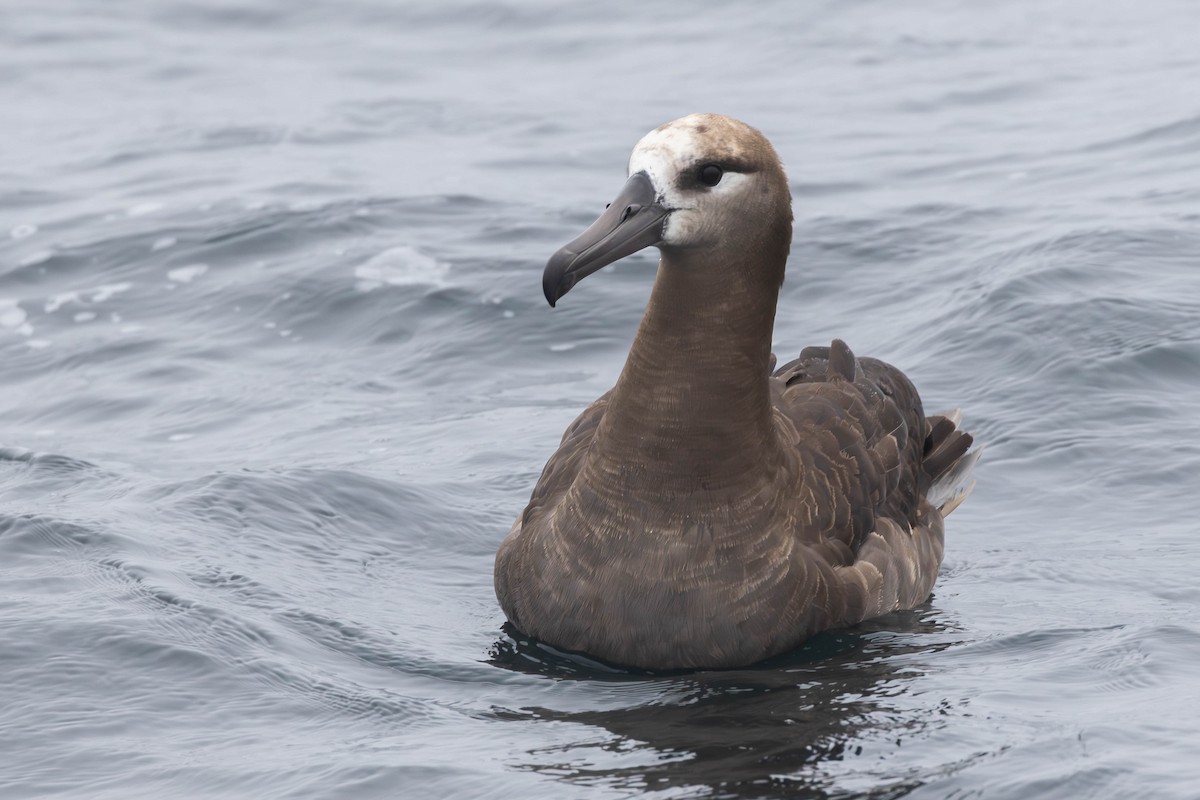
(35, 258)
(103, 293)
(56, 301)
(187, 274)
(142, 209)
(401, 266)
(12, 316)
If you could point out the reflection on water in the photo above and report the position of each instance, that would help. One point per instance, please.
(771, 730)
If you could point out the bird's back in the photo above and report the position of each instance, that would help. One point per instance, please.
(869, 458)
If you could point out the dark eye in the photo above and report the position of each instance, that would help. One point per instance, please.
(710, 174)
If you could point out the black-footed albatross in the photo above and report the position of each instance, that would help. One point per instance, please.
(711, 510)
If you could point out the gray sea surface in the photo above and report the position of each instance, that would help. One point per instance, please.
(277, 376)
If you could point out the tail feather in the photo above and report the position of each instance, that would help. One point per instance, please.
(949, 461)
(954, 415)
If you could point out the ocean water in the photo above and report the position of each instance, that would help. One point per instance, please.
(277, 375)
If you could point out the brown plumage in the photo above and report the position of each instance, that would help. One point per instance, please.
(710, 511)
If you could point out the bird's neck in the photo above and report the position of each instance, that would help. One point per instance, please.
(691, 411)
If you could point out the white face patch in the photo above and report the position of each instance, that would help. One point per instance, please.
(666, 153)
(662, 153)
